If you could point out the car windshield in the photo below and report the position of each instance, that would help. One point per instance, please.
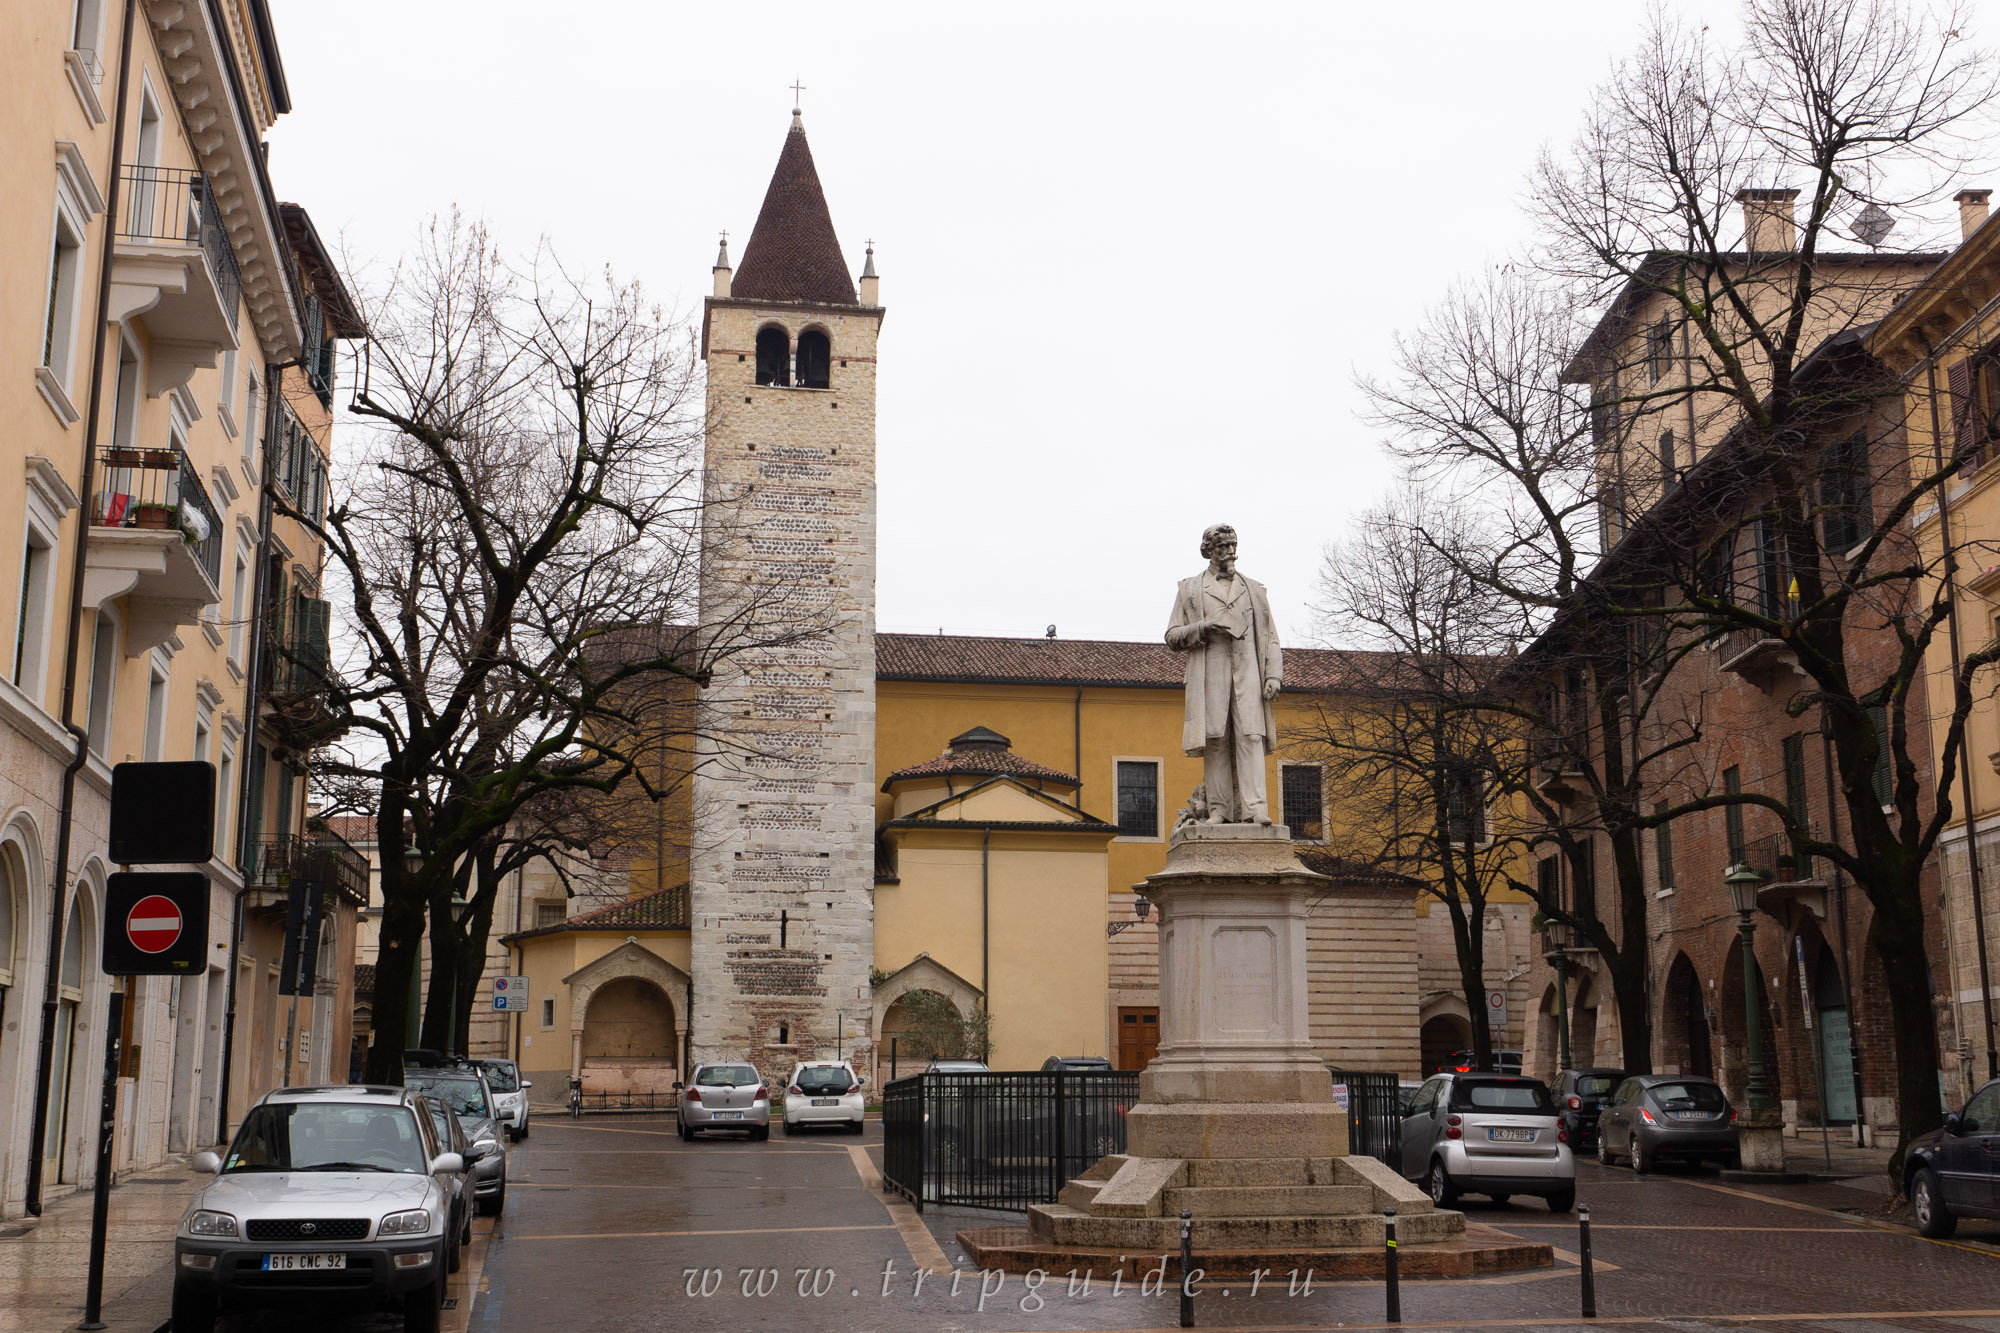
(1526, 1096)
(463, 1095)
(1689, 1096)
(1596, 1085)
(826, 1079)
(501, 1078)
(726, 1076)
(336, 1136)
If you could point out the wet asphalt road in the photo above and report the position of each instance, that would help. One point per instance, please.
(614, 1224)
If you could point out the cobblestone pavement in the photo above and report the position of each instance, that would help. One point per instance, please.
(614, 1224)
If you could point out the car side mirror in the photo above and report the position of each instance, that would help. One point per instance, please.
(860, 1082)
(209, 1162)
(526, 1084)
(678, 1085)
(475, 1152)
(1952, 1124)
(446, 1163)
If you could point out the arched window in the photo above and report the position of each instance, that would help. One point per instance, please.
(815, 359)
(773, 356)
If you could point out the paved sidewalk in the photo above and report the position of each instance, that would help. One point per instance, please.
(1863, 1168)
(44, 1264)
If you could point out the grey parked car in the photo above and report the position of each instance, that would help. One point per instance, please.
(725, 1096)
(1652, 1117)
(464, 1090)
(333, 1199)
(1491, 1134)
(510, 1095)
(451, 1137)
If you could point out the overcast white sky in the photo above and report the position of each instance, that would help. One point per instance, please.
(1133, 254)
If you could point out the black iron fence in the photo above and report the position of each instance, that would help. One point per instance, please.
(170, 205)
(1000, 1140)
(159, 488)
(1374, 1114)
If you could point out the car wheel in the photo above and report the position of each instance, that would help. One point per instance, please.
(760, 1134)
(1927, 1204)
(1500, 1200)
(687, 1135)
(1443, 1193)
(1603, 1151)
(1563, 1200)
(194, 1311)
(422, 1307)
(524, 1131)
(787, 1128)
(453, 1256)
(858, 1127)
(465, 1228)
(1642, 1161)
(493, 1206)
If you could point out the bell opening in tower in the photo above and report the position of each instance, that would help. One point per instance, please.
(773, 357)
(815, 359)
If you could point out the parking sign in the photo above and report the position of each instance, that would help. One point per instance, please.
(510, 993)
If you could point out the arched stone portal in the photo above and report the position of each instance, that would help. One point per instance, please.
(1441, 1035)
(628, 1021)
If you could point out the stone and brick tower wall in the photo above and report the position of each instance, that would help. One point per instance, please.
(782, 867)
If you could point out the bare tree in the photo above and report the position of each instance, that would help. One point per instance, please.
(519, 546)
(1674, 479)
(1419, 753)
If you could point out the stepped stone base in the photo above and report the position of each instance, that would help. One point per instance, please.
(1479, 1250)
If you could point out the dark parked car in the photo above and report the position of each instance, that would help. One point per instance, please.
(1581, 1094)
(1068, 1062)
(1655, 1117)
(1954, 1172)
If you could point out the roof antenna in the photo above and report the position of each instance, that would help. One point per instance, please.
(1049, 633)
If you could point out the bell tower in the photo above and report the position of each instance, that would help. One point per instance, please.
(782, 865)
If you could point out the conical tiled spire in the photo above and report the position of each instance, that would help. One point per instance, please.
(793, 254)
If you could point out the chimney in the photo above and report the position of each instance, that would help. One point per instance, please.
(1768, 224)
(722, 269)
(1971, 211)
(871, 286)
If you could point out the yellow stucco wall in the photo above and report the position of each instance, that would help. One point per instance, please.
(545, 960)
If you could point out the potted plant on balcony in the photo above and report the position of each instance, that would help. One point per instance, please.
(158, 458)
(151, 514)
(1788, 867)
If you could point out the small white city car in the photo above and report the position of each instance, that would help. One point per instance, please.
(823, 1092)
(725, 1096)
(330, 1198)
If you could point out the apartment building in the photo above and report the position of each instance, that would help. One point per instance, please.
(169, 327)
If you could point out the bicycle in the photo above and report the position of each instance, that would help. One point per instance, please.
(575, 1097)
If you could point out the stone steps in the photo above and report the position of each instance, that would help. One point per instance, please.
(1270, 1201)
(1064, 1225)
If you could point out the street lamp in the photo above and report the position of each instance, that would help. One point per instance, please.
(1743, 883)
(457, 907)
(1555, 950)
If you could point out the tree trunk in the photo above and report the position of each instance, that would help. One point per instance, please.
(475, 931)
(1630, 965)
(1899, 940)
(396, 962)
(1469, 935)
(441, 994)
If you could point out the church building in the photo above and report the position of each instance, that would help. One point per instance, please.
(878, 816)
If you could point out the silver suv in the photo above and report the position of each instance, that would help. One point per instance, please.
(1491, 1134)
(334, 1196)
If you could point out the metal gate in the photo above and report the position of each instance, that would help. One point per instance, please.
(1000, 1140)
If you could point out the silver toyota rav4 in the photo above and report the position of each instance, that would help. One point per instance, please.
(329, 1197)
(1491, 1134)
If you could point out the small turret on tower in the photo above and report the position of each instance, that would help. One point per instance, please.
(722, 269)
(871, 286)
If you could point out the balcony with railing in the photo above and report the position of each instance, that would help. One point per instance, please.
(1759, 658)
(1557, 762)
(1790, 876)
(174, 270)
(317, 856)
(155, 539)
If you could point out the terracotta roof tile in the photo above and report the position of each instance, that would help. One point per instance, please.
(662, 909)
(793, 254)
(981, 764)
(967, 657)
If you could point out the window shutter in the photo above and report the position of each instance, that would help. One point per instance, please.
(1878, 717)
(314, 616)
(1964, 420)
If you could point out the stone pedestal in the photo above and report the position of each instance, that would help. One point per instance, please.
(1761, 1141)
(1236, 1121)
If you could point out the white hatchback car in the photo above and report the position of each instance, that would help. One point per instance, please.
(823, 1092)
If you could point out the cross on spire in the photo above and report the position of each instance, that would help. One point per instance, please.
(797, 88)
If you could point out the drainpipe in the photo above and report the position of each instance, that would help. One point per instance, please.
(985, 919)
(252, 701)
(1076, 731)
(1964, 754)
(66, 811)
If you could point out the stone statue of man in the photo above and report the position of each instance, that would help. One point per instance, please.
(1222, 621)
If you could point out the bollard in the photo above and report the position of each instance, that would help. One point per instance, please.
(1583, 1258)
(1187, 1266)
(1389, 1243)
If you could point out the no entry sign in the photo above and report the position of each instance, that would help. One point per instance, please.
(157, 924)
(154, 924)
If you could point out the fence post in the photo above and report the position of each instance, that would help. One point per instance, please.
(1395, 1311)
(1583, 1258)
(1062, 1126)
